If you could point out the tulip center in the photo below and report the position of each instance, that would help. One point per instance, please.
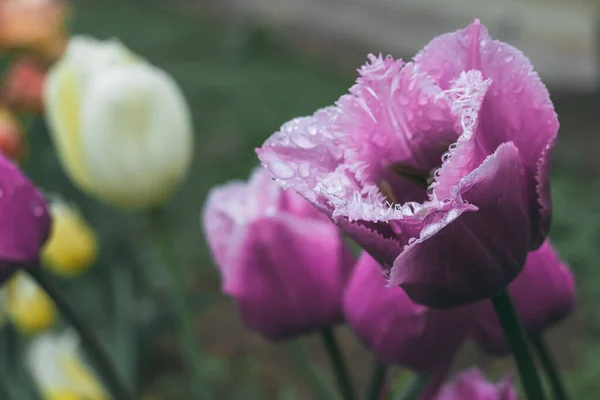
(402, 174)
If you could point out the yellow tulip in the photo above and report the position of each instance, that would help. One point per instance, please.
(30, 308)
(72, 246)
(121, 127)
(59, 371)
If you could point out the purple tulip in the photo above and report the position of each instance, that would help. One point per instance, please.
(543, 294)
(397, 330)
(283, 262)
(24, 219)
(472, 385)
(439, 168)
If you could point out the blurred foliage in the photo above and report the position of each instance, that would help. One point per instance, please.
(242, 82)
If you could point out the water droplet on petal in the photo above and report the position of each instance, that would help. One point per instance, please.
(304, 170)
(509, 58)
(282, 170)
(446, 157)
(38, 211)
(452, 146)
(403, 100)
(303, 142)
(422, 101)
(312, 130)
(411, 240)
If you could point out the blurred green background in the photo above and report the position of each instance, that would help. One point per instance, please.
(243, 82)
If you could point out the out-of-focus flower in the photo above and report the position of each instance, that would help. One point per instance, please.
(397, 330)
(24, 220)
(13, 143)
(121, 127)
(72, 246)
(472, 385)
(29, 307)
(34, 25)
(22, 86)
(284, 264)
(450, 231)
(59, 371)
(543, 294)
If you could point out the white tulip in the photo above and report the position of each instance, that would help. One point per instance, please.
(59, 371)
(121, 127)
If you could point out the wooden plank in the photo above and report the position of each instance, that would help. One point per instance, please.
(559, 37)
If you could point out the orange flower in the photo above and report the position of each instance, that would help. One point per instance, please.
(12, 141)
(36, 25)
(22, 87)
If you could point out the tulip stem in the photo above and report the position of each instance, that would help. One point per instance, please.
(90, 342)
(378, 373)
(4, 390)
(549, 367)
(337, 363)
(321, 390)
(190, 347)
(413, 390)
(515, 336)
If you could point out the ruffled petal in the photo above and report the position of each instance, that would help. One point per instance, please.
(287, 275)
(517, 108)
(395, 114)
(477, 254)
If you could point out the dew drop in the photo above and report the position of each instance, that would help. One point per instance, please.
(38, 211)
(282, 170)
(423, 101)
(519, 89)
(403, 100)
(446, 157)
(303, 142)
(430, 190)
(304, 170)
(411, 240)
(452, 146)
(509, 58)
(437, 173)
(312, 130)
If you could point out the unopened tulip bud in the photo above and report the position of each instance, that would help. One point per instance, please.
(24, 221)
(472, 385)
(284, 264)
(34, 25)
(30, 308)
(396, 329)
(12, 141)
(72, 246)
(59, 371)
(544, 294)
(22, 86)
(121, 127)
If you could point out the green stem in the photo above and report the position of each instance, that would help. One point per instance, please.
(413, 390)
(320, 389)
(189, 344)
(4, 390)
(549, 366)
(337, 363)
(515, 335)
(88, 339)
(377, 380)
